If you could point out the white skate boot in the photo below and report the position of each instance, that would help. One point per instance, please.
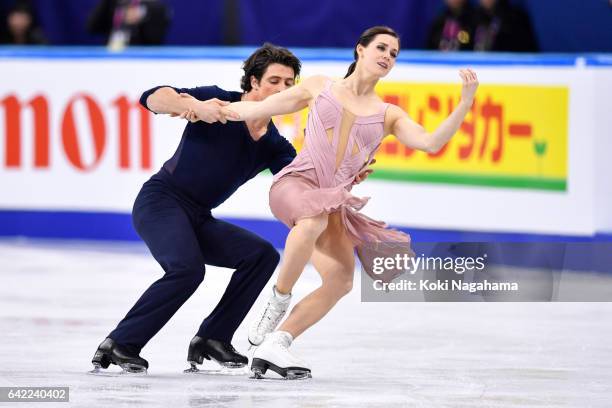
(269, 317)
(273, 354)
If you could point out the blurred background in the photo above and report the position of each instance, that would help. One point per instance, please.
(544, 25)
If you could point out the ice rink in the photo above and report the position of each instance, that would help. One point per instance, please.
(59, 300)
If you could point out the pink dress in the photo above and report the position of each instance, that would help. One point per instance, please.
(319, 180)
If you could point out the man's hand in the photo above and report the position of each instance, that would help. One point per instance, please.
(364, 173)
(210, 111)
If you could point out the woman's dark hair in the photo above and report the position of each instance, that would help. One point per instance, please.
(365, 40)
(263, 57)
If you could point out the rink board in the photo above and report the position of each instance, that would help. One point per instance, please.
(74, 140)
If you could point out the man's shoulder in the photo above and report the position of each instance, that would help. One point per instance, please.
(214, 91)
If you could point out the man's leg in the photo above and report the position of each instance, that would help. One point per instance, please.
(254, 259)
(167, 229)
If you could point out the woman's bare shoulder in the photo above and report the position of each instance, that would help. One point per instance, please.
(314, 85)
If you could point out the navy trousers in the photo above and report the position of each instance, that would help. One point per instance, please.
(183, 237)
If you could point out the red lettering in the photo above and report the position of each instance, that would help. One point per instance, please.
(12, 119)
(492, 112)
(390, 147)
(124, 107)
(520, 130)
(145, 137)
(394, 99)
(69, 133)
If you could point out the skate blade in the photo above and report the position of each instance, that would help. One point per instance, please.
(97, 370)
(191, 370)
(222, 370)
(290, 375)
(100, 370)
(106, 373)
(126, 369)
(133, 370)
(257, 375)
(298, 375)
(260, 377)
(100, 374)
(260, 367)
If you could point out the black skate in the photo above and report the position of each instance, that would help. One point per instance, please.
(110, 352)
(259, 368)
(209, 349)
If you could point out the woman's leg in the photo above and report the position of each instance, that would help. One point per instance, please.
(334, 259)
(298, 250)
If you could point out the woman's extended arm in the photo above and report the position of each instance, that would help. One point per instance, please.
(413, 135)
(290, 100)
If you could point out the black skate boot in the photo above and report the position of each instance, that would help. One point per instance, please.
(110, 352)
(222, 353)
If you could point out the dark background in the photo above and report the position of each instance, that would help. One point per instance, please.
(560, 25)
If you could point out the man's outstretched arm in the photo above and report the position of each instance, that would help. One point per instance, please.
(200, 101)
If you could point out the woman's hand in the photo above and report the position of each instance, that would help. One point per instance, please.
(364, 173)
(210, 111)
(470, 84)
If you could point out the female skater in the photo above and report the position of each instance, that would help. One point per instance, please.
(346, 124)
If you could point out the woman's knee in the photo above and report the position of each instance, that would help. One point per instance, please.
(346, 286)
(313, 226)
(341, 284)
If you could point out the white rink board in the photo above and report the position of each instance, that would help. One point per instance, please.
(583, 209)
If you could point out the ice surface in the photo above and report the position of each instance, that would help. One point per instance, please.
(59, 300)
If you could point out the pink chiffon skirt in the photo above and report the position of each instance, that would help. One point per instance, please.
(297, 195)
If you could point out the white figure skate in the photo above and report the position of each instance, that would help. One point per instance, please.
(273, 354)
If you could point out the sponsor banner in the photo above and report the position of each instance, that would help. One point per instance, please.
(73, 138)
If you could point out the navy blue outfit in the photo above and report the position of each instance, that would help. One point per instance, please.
(172, 214)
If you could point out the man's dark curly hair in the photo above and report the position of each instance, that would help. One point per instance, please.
(263, 57)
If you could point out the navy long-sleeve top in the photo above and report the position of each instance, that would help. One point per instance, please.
(213, 160)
